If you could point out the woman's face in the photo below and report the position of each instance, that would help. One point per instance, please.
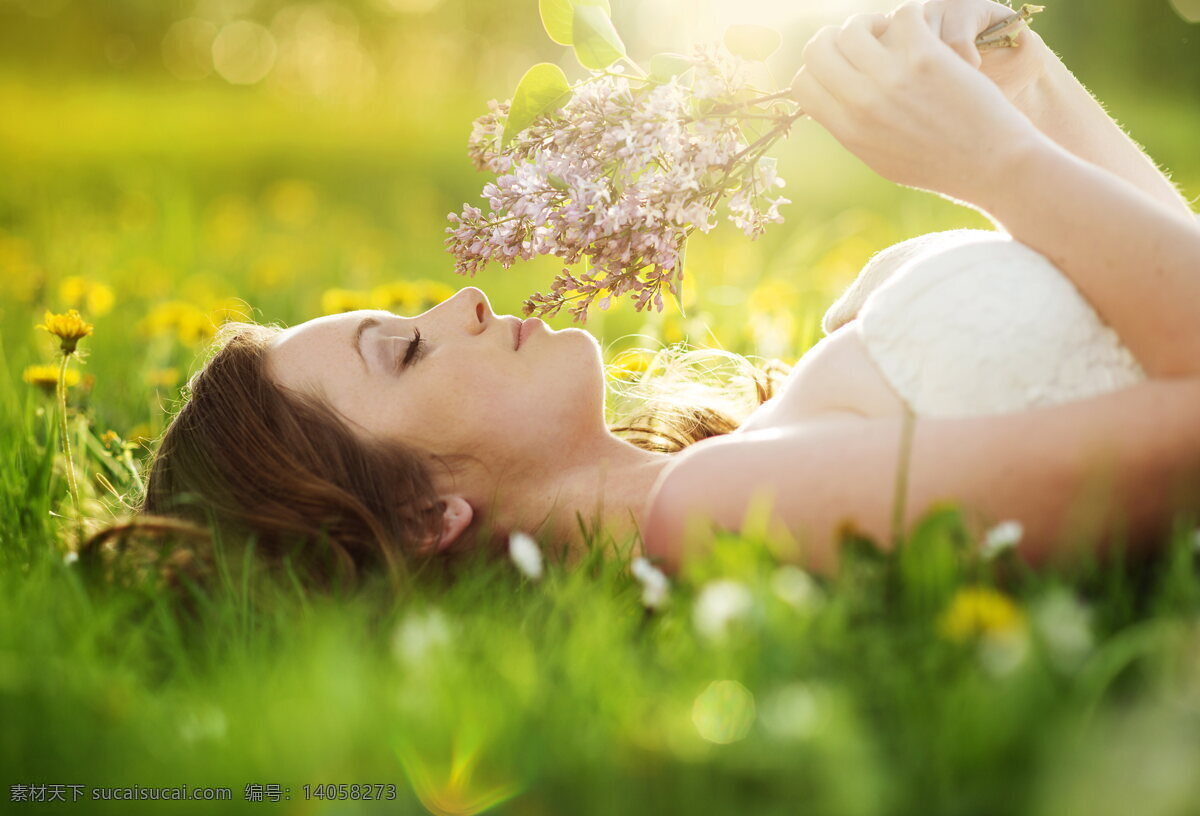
(466, 387)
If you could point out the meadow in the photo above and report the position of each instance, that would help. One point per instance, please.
(161, 203)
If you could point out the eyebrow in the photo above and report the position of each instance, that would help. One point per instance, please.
(367, 323)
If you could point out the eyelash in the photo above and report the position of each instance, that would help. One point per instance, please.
(414, 349)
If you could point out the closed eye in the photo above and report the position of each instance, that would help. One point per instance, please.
(413, 351)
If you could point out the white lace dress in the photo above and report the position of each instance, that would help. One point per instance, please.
(971, 322)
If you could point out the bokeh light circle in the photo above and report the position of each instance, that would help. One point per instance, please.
(187, 48)
(243, 52)
(1187, 9)
(723, 712)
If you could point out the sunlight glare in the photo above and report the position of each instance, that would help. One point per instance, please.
(777, 13)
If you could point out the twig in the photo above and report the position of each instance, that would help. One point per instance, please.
(1002, 34)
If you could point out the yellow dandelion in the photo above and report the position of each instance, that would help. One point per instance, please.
(629, 365)
(76, 291)
(45, 377)
(773, 296)
(191, 324)
(400, 296)
(228, 224)
(434, 292)
(111, 439)
(69, 328)
(163, 377)
(292, 202)
(273, 268)
(344, 300)
(100, 299)
(979, 611)
(229, 310)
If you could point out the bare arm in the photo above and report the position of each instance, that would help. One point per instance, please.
(1037, 82)
(904, 103)
(1060, 107)
(1135, 259)
(1076, 473)
(1033, 77)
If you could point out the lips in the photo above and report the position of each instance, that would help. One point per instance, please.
(526, 327)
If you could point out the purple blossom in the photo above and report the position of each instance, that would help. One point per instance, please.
(618, 179)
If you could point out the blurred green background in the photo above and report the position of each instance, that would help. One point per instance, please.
(168, 165)
(179, 155)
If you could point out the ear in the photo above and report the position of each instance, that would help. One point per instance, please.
(457, 514)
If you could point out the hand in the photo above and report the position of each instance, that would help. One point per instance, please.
(901, 100)
(959, 22)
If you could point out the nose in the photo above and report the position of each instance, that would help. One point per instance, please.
(473, 303)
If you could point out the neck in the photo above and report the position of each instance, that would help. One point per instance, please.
(606, 483)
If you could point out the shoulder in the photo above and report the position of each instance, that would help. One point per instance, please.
(836, 376)
(702, 485)
(716, 483)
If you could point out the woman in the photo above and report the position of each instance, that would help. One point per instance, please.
(393, 438)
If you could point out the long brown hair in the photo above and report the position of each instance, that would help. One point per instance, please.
(245, 458)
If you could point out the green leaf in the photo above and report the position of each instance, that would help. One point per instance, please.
(558, 17)
(597, 43)
(543, 89)
(666, 65)
(752, 42)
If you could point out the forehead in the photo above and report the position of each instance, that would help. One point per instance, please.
(317, 352)
(330, 328)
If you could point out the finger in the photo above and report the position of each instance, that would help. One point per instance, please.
(935, 14)
(908, 25)
(959, 32)
(826, 62)
(859, 43)
(817, 101)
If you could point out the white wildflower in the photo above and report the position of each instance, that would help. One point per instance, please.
(1002, 653)
(419, 635)
(720, 603)
(526, 554)
(1004, 536)
(203, 723)
(1064, 624)
(793, 712)
(655, 586)
(796, 587)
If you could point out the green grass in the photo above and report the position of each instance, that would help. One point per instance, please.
(558, 696)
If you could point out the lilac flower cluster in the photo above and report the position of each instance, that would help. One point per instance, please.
(619, 178)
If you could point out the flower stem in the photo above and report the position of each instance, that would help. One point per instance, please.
(637, 69)
(72, 485)
(900, 497)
